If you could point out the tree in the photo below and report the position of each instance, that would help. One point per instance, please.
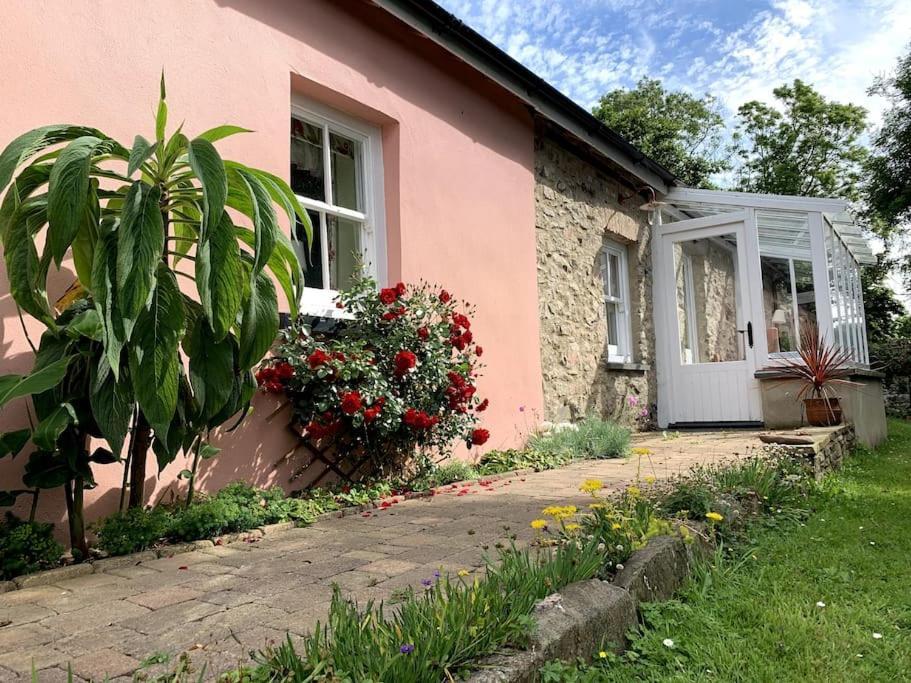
(888, 190)
(809, 146)
(174, 361)
(676, 129)
(882, 309)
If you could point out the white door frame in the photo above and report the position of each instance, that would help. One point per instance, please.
(671, 394)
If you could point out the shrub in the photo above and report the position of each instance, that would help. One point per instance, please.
(495, 462)
(134, 530)
(591, 438)
(397, 377)
(26, 547)
(452, 471)
(435, 635)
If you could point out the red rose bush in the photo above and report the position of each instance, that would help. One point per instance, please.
(397, 379)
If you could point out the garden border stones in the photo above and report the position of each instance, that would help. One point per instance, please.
(583, 616)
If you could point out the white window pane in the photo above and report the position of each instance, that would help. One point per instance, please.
(344, 251)
(307, 167)
(614, 275)
(613, 324)
(346, 172)
(311, 259)
(781, 330)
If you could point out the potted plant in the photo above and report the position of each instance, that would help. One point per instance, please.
(819, 366)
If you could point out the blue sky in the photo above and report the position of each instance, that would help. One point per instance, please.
(737, 50)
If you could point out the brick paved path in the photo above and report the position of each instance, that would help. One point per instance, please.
(222, 602)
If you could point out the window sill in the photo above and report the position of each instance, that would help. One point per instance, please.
(624, 366)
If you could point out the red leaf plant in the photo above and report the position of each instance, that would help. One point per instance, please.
(818, 366)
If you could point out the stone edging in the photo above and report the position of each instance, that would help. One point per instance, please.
(574, 622)
(71, 571)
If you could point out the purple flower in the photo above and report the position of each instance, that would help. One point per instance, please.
(426, 583)
(632, 400)
(644, 413)
(521, 409)
(406, 649)
(436, 574)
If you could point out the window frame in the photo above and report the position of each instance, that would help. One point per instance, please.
(621, 352)
(321, 301)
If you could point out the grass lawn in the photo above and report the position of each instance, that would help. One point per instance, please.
(825, 599)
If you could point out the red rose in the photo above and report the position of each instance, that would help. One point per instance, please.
(455, 379)
(461, 320)
(351, 402)
(400, 288)
(479, 350)
(404, 361)
(423, 333)
(457, 341)
(482, 406)
(274, 387)
(372, 413)
(479, 437)
(284, 371)
(388, 295)
(444, 296)
(467, 337)
(317, 358)
(339, 304)
(264, 375)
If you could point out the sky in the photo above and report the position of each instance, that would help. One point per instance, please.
(735, 50)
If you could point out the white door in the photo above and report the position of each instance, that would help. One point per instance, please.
(706, 328)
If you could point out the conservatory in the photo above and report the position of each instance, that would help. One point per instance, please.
(737, 278)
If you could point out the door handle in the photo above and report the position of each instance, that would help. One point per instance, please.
(750, 334)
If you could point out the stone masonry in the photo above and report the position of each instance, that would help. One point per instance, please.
(577, 208)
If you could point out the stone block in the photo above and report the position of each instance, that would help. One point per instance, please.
(104, 664)
(656, 571)
(109, 563)
(52, 576)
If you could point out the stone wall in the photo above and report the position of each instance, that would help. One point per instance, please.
(576, 209)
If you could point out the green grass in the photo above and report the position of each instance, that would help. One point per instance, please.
(752, 614)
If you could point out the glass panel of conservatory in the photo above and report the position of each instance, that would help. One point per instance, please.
(707, 296)
(778, 304)
(806, 295)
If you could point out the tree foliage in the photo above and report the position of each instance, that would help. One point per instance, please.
(173, 303)
(680, 131)
(806, 145)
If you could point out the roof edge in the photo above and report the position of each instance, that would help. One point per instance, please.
(471, 47)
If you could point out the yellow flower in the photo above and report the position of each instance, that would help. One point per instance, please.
(591, 485)
(551, 510)
(615, 526)
(560, 512)
(539, 524)
(633, 491)
(572, 527)
(596, 506)
(650, 479)
(463, 572)
(684, 532)
(641, 451)
(714, 516)
(602, 655)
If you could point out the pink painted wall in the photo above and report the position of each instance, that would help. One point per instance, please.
(458, 165)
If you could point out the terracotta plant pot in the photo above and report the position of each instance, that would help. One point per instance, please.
(823, 412)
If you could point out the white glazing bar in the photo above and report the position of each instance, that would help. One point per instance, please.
(849, 293)
(327, 167)
(324, 248)
(795, 310)
(865, 359)
(821, 286)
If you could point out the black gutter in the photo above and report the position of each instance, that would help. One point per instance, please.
(453, 34)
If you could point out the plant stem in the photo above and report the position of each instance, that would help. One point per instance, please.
(192, 483)
(138, 456)
(126, 464)
(77, 519)
(34, 509)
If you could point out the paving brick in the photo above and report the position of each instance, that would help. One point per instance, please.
(95, 616)
(164, 596)
(389, 567)
(53, 575)
(12, 637)
(38, 657)
(32, 595)
(160, 620)
(104, 663)
(25, 613)
(131, 560)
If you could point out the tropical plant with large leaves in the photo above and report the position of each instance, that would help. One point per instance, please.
(177, 251)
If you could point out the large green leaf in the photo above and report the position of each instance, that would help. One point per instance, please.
(140, 242)
(28, 144)
(104, 291)
(84, 242)
(68, 192)
(86, 323)
(241, 392)
(259, 322)
(154, 364)
(112, 404)
(47, 377)
(262, 214)
(211, 367)
(27, 273)
(13, 442)
(161, 116)
(210, 170)
(282, 264)
(219, 277)
(50, 428)
(31, 178)
(219, 132)
(283, 195)
(45, 470)
(142, 150)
